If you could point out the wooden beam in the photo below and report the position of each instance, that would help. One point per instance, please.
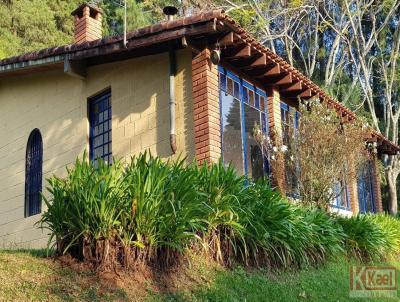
(306, 93)
(75, 69)
(274, 71)
(292, 87)
(243, 53)
(261, 61)
(227, 39)
(287, 79)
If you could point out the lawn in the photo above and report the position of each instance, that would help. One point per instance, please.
(29, 275)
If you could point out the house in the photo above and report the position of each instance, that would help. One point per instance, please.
(185, 87)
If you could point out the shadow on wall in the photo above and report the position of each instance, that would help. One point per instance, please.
(140, 98)
(52, 103)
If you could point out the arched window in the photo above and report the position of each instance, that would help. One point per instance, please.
(33, 174)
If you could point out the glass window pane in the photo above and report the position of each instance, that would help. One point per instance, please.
(231, 132)
(262, 103)
(251, 97)
(257, 102)
(264, 122)
(229, 88)
(236, 90)
(245, 95)
(222, 79)
(254, 157)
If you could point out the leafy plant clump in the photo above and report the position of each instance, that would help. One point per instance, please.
(371, 237)
(151, 211)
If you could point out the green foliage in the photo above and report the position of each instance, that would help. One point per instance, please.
(85, 205)
(247, 18)
(27, 25)
(152, 209)
(161, 208)
(390, 228)
(363, 239)
(371, 237)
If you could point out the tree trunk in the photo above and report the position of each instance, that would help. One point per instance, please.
(391, 177)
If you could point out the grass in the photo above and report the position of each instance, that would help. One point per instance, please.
(29, 275)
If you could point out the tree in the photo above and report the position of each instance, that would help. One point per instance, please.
(373, 44)
(320, 154)
(349, 47)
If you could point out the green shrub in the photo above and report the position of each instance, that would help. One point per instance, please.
(151, 211)
(371, 237)
(364, 240)
(84, 210)
(290, 234)
(222, 192)
(162, 210)
(390, 228)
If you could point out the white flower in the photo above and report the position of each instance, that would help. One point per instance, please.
(273, 157)
(275, 149)
(284, 148)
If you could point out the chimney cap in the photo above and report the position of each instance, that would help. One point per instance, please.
(79, 10)
(170, 10)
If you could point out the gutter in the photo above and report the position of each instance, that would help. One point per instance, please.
(32, 63)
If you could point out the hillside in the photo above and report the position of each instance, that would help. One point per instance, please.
(28, 274)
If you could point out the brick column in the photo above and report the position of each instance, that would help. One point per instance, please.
(376, 185)
(207, 124)
(353, 189)
(275, 129)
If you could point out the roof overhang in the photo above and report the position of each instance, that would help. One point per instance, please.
(145, 41)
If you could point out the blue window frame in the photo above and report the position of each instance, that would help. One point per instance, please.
(243, 106)
(342, 197)
(289, 119)
(365, 188)
(33, 174)
(100, 120)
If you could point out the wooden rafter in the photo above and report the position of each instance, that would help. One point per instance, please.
(245, 52)
(227, 40)
(287, 79)
(261, 61)
(297, 86)
(306, 93)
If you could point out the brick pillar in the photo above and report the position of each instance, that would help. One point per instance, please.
(275, 129)
(207, 124)
(376, 185)
(353, 189)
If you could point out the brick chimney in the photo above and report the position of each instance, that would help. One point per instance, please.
(87, 23)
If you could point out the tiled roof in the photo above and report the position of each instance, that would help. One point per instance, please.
(142, 32)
